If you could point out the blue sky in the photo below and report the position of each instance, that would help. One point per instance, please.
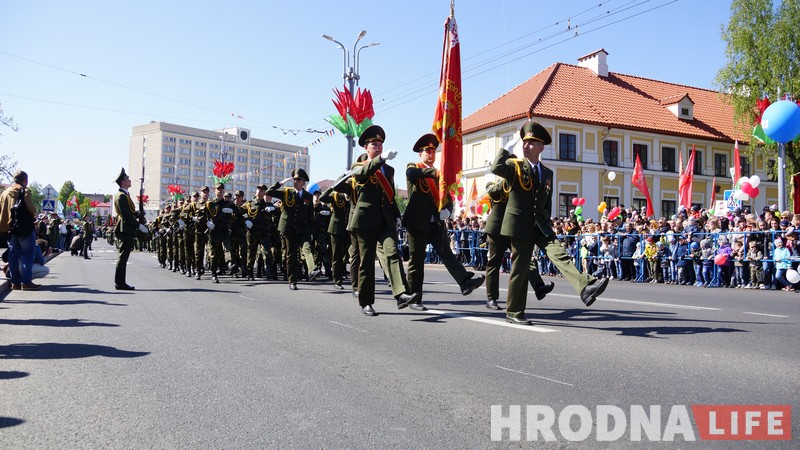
(196, 63)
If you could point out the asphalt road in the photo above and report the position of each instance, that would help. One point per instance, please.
(181, 363)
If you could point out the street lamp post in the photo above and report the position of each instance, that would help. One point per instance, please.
(351, 77)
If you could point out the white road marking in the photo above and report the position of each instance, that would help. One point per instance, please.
(536, 376)
(248, 298)
(493, 321)
(348, 326)
(767, 315)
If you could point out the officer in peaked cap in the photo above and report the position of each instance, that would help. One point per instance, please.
(125, 229)
(372, 133)
(426, 142)
(121, 177)
(533, 131)
(300, 174)
(205, 189)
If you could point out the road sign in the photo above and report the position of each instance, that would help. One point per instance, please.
(49, 205)
(731, 202)
(49, 192)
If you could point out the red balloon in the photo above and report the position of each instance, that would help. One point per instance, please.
(575, 201)
(720, 259)
(581, 201)
(613, 213)
(747, 188)
(755, 192)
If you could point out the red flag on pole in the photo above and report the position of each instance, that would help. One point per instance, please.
(638, 180)
(685, 186)
(737, 166)
(447, 118)
(713, 193)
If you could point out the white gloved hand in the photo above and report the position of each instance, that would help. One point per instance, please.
(196, 219)
(227, 210)
(143, 228)
(325, 212)
(269, 208)
(513, 143)
(390, 154)
(181, 224)
(248, 224)
(286, 180)
(399, 222)
(210, 225)
(444, 214)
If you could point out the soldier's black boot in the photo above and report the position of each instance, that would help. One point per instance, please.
(170, 265)
(214, 278)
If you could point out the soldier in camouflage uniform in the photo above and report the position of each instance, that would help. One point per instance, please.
(187, 213)
(88, 234)
(238, 235)
(160, 229)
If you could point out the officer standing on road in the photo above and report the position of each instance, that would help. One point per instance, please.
(425, 223)
(88, 234)
(527, 222)
(125, 230)
(375, 221)
(295, 224)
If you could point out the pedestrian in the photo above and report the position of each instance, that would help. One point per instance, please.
(527, 222)
(424, 221)
(125, 230)
(17, 215)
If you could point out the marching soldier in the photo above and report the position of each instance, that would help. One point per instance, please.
(160, 227)
(273, 258)
(257, 225)
(238, 235)
(188, 233)
(425, 223)
(295, 225)
(218, 215)
(322, 218)
(527, 223)
(337, 229)
(200, 228)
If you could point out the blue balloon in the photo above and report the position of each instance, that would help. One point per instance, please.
(313, 188)
(781, 121)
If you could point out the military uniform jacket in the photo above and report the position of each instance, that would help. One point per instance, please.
(186, 215)
(88, 229)
(237, 219)
(529, 201)
(498, 195)
(373, 209)
(221, 220)
(321, 220)
(126, 214)
(256, 211)
(340, 207)
(297, 212)
(423, 204)
(198, 211)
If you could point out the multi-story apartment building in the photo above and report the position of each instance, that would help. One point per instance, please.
(175, 154)
(601, 120)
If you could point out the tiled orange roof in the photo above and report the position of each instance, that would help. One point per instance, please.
(573, 93)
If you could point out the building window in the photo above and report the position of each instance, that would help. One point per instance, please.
(772, 171)
(169, 149)
(200, 163)
(720, 165)
(638, 204)
(668, 208)
(564, 204)
(668, 159)
(567, 146)
(744, 163)
(611, 153)
(214, 146)
(200, 153)
(185, 161)
(698, 162)
(185, 151)
(255, 161)
(168, 159)
(611, 202)
(166, 180)
(166, 169)
(183, 171)
(641, 150)
(199, 144)
(169, 139)
(185, 141)
(198, 173)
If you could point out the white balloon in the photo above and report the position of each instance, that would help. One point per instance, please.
(612, 175)
(793, 276)
(740, 195)
(744, 180)
(755, 181)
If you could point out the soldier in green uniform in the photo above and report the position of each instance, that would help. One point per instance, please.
(337, 229)
(498, 244)
(322, 217)
(375, 220)
(88, 234)
(125, 230)
(295, 224)
(272, 257)
(238, 235)
(200, 228)
(219, 212)
(187, 212)
(177, 234)
(527, 223)
(160, 227)
(425, 222)
(256, 223)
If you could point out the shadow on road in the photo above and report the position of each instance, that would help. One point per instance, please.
(53, 350)
(12, 374)
(75, 288)
(55, 323)
(65, 302)
(6, 422)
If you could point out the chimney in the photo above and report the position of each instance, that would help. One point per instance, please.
(596, 62)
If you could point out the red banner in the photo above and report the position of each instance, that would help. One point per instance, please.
(686, 180)
(447, 118)
(639, 181)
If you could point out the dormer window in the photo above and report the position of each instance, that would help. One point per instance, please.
(681, 105)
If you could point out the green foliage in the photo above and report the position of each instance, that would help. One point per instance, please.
(7, 167)
(36, 195)
(65, 193)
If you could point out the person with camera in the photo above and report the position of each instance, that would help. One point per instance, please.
(16, 221)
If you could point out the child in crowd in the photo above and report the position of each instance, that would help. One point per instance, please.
(726, 268)
(738, 264)
(696, 255)
(680, 258)
(782, 264)
(755, 256)
(707, 255)
(650, 255)
(639, 262)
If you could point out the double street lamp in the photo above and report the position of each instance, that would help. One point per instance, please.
(350, 75)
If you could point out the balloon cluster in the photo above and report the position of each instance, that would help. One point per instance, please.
(578, 202)
(614, 213)
(458, 191)
(748, 188)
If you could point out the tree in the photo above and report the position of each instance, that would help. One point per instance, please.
(65, 193)
(7, 121)
(7, 167)
(36, 195)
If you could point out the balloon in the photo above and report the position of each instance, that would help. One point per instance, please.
(740, 195)
(793, 276)
(460, 189)
(579, 218)
(612, 175)
(755, 192)
(460, 197)
(744, 180)
(755, 181)
(575, 201)
(581, 201)
(614, 213)
(601, 208)
(485, 208)
(781, 121)
(578, 210)
(746, 187)
(720, 259)
(710, 213)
